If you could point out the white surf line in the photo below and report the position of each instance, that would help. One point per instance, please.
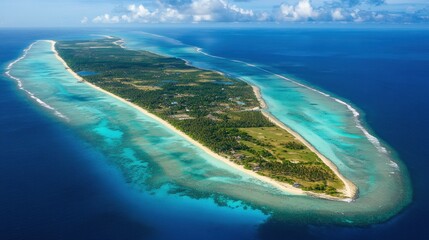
(263, 179)
(21, 85)
(375, 141)
(356, 115)
(101, 35)
(120, 43)
(350, 188)
(200, 50)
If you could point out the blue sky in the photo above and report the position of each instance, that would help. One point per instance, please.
(49, 13)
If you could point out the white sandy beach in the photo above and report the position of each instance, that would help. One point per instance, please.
(350, 190)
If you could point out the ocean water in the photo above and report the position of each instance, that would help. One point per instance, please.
(72, 170)
(330, 124)
(143, 181)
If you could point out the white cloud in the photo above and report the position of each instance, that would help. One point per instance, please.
(138, 14)
(84, 20)
(355, 16)
(187, 11)
(305, 10)
(300, 12)
(171, 15)
(106, 18)
(218, 10)
(206, 10)
(337, 15)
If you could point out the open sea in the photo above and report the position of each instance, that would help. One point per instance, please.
(78, 164)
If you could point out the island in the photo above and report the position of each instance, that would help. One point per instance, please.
(225, 116)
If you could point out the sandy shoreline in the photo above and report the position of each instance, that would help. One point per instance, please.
(350, 190)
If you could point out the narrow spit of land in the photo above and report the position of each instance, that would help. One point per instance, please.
(224, 116)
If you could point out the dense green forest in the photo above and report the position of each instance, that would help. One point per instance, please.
(220, 112)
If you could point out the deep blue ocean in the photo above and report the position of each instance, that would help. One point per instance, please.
(54, 186)
(57, 186)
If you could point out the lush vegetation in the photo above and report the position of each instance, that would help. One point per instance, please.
(220, 112)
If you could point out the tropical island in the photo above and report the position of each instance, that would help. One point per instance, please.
(224, 115)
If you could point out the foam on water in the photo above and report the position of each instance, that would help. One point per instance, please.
(200, 50)
(21, 86)
(356, 115)
(155, 156)
(160, 165)
(375, 141)
(324, 120)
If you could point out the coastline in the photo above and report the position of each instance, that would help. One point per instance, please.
(350, 190)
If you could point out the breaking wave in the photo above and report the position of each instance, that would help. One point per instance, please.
(21, 85)
(375, 141)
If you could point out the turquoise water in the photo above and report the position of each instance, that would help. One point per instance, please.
(161, 167)
(155, 160)
(86, 73)
(328, 123)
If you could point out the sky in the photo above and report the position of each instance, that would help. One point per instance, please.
(52, 13)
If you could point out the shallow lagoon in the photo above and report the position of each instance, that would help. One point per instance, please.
(133, 141)
(328, 123)
(182, 170)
